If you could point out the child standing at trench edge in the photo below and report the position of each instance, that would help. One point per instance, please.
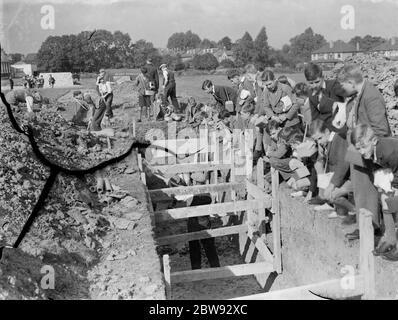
(384, 154)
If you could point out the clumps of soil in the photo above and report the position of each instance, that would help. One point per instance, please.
(68, 235)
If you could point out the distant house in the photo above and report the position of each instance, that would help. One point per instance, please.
(335, 52)
(26, 68)
(189, 54)
(389, 48)
(5, 64)
(222, 54)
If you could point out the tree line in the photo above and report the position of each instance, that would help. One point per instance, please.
(88, 51)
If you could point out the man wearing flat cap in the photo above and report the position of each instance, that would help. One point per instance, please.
(169, 87)
(104, 89)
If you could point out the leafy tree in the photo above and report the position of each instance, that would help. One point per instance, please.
(303, 44)
(244, 50)
(192, 40)
(226, 43)
(207, 44)
(89, 51)
(141, 51)
(176, 41)
(16, 57)
(261, 49)
(182, 41)
(368, 42)
(205, 61)
(227, 63)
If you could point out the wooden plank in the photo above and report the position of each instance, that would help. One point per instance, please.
(249, 142)
(330, 289)
(366, 256)
(232, 175)
(198, 189)
(211, 209)
(262, 248)
(257, 192)
(260, 173)
(134, 128)
(276, 222)
(167, 277)
(198, 235)
(190, 167)
(140, 167)
(221, 272)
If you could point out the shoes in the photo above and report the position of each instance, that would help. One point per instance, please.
(139, 120)
(353, 235)
(316, 201)
(333, 215)
(392, 255)
(323, 207)
(349, 220)
(384, 248)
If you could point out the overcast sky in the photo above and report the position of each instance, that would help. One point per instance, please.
(156, 20)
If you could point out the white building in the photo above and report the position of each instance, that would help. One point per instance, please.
(26, 68)
(388, 48)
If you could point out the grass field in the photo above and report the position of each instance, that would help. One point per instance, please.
(192, 85)
(187, 86)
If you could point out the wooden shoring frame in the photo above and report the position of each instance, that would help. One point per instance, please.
(362, 284)
(258, 200)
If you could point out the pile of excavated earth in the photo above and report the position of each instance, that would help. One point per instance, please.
(382, 72)
(80, 234)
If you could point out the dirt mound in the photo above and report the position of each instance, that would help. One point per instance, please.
(383, 73)
(68, 233)
(125, 94)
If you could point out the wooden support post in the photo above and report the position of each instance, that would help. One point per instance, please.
(171, 170)
(141, 168)
(199, 235)
(134, 128)
(171, 141)
(198, 189)
(216, 160)
(276, 221)
(367, 269)
(167, 277)
(232, 175)
(221, 272)
(249, 142)
(211, 209)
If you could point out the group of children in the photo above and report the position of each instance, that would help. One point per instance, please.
(321, 136)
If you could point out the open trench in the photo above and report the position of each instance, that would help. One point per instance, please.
(227, 248)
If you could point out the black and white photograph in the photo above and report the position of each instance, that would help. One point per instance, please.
(199, 155)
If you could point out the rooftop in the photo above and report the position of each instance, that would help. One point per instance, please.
(391, 44)
(337, 47)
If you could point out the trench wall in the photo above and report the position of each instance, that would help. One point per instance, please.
(314, 249)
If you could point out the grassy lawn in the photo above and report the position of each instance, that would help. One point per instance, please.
(192, 85)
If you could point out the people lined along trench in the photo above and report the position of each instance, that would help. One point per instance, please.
(330, 140)
(308, 131)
